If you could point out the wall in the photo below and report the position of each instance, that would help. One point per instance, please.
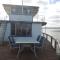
(36, 30)
(20, 17)
(2, 30)
(7, 32)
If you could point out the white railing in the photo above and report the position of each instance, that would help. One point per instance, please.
(55, 44)
(52, 40)
(39, 18)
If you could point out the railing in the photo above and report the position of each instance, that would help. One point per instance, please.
(52, 40)
(39, 18)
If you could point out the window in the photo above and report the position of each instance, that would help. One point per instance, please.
(21, 29)
(25, 11)
(0, 24)
(18, 10)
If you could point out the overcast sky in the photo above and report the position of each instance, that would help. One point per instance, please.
(48, 8)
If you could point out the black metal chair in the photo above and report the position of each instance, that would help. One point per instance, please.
(38, 38)
(12, 42)
(41, 40)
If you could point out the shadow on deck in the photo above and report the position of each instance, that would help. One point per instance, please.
(46, 53)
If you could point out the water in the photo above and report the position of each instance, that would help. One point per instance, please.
(55, 32)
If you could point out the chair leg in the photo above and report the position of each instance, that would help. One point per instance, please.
(18, 51)
(34, 50)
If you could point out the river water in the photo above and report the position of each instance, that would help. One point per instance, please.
(55, 32)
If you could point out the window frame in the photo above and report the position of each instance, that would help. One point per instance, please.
(15, 30)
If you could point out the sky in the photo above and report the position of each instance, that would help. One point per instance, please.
(49, 9)
(53, 14)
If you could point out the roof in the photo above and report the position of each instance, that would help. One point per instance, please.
(34, 8)
(19, 5)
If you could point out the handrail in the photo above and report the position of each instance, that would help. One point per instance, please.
(51, 40)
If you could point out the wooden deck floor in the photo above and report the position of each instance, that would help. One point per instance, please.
(46, 53)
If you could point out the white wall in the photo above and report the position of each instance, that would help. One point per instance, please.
(7, 32)
(2, 30)
(36, 30)
(20, 17)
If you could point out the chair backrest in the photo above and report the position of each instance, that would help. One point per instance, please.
(41, 40)
(11, 40)
(38, 38)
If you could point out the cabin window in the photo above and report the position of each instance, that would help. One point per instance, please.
(18, 11)
(27, 11)
(21, 29)
(0, 24)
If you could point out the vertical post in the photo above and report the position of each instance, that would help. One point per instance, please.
(15, 29)
(22, 7)
(43, 34)
(55, 45)
(51, 41)
(46, 36)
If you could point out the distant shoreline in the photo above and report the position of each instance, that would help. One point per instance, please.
(50, 27)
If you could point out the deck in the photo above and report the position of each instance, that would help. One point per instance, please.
(45, 53)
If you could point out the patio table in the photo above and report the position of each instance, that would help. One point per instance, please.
(26, 41)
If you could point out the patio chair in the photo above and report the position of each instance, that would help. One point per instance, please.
(12, 42)
(38, 38)
(41, 40)
(39, 46)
